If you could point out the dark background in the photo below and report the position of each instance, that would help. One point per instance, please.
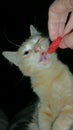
(15, 19)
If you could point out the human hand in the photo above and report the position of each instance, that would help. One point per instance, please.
(58, 15)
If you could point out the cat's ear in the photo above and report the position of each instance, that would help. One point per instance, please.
(33, 31)
(11, 56)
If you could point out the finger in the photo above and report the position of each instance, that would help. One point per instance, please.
(56, 22)
(68, 40)
(69, 26)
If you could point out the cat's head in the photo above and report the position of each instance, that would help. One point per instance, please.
(31, 57)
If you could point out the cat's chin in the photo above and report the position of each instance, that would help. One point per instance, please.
(44, 58)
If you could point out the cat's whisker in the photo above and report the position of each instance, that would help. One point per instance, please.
(13, 43)
(10, 40)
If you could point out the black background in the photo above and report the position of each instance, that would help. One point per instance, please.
(15, 19)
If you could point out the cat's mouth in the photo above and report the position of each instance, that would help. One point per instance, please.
(44, 57)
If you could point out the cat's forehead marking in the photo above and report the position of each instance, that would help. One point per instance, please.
(29, 43)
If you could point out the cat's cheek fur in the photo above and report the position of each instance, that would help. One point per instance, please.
(26, 70)
(26, 66)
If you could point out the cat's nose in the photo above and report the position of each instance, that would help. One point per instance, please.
(37, 48)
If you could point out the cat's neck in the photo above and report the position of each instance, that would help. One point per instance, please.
(47, 75)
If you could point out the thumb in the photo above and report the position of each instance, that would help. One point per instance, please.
(67, 41)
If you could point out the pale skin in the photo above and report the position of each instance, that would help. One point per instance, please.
(58, 15)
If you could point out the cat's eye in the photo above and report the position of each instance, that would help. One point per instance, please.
(26, 52)
(40, 39)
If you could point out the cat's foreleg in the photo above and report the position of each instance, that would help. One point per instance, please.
(65, 120)
(45, 120)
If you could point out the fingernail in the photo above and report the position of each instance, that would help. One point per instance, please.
(62, 45)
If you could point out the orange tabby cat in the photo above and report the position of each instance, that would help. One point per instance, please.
(51, 81)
